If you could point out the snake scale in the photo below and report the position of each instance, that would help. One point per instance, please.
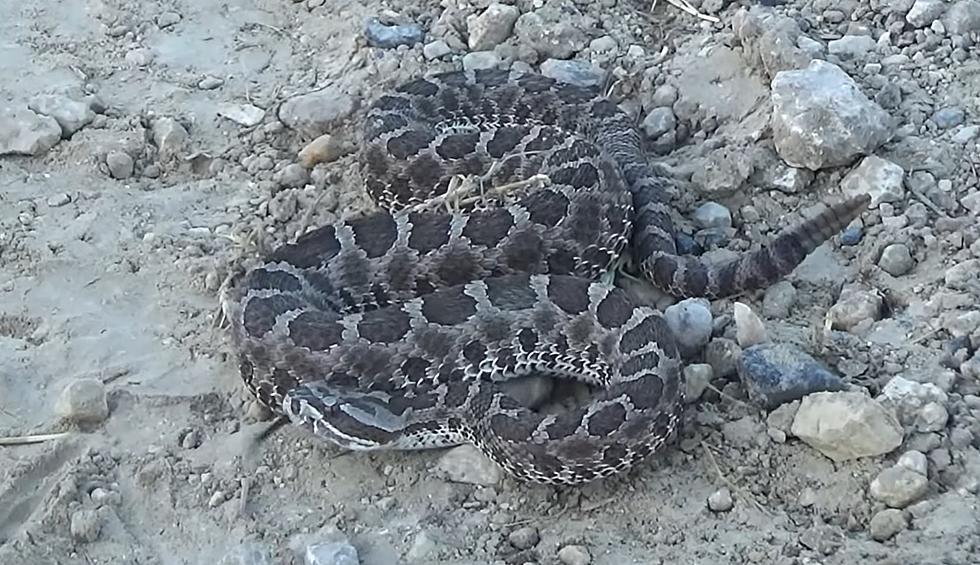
(398, 329)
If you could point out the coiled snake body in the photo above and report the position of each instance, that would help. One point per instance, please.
(397, 329)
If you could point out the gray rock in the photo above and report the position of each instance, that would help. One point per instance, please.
(85, 525)
(331, 553)
(317, 112)
(83, 401)
(524, 538)
(963, 17)
(71, 115)
(167, 19)
(574, 555)
(880, 178)
(492, 27)
(855, 306)
(851, 46)
(242, 114)
(697, 376)
(690, 321)
(467, 464)
(665, 95)
(210, 83)
(712, 215)
(722, 354)
(822, 119)
(932, 417)
(248, 553)
(390, 36)
(908, 398)
(169, 137)
(924, 12)
(896, 260)
(293, 175)
(575, 71)
(949, 117)
(480, 60)
(774, 374)
(847, 425)
(963, 275)
(721, 500)
(436, 49)
(548, 32)
(890, 96)
(898, 486)
(770, 40)
(778, 300)
(749, 329)
(886, 524)
(659, 121)
(120, 165)
(966, 134)
(23, 132)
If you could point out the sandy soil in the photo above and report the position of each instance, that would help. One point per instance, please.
(116, 280)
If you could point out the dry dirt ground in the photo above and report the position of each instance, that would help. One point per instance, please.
(115, 279)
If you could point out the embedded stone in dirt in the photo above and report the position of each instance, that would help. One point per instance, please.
(847, 425)
(23, 132)
(467, 464)
(83, 401)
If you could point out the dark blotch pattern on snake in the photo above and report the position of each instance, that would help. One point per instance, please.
(398, 329)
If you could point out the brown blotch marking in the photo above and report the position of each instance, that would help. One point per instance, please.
(265, 279)
(458, 145)
(489, 227)
(457, 393)
(433, 342)
(419, 87)
(581, 330)
(504, 140)
(547, 207)
(425, 170)
(512, 429)
(528, 339)
(565, 424)
(317, 331)
(429, 231)
(459, 265)
(389, 103)
(695, 278)
(401, 273)
(571, 294)
(260, 313)
(474, 352)
(414, 368)
(448, 307)
(505, 359)
(320, 282)
(408, 143)
(562, 261)
(384, 325)
(585, 220)
(375, 233)
(524, 251)
(606, 420)
(511, 293)
(614, 455)
(614, 310)
(643, 333)
(310, 250)
(644, 393)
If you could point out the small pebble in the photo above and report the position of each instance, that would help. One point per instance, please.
(690, 321)
(574, 555)
(120, 165)
(436, 49)
(950, 117)
(323, 149)
(697, 376)
(886, 524)
(779, 300)
(248, 553)
(83, 401)
(898, 486)
(524, 538)
(749, 329)
(391, 36)
(577, 72)
(167, 19)
(58, 200)
(851, 236)
(492, 27)
(721, 500)
(216, 499)
(210, 83)
(896, 260)
(242, 114)
(85, 525)
(480, 60)
(713, 215)
(293, 175)
(331, 553)
(658, 122)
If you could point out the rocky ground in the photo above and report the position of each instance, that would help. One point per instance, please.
(147, 147)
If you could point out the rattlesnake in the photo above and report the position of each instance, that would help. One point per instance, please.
(398, 328)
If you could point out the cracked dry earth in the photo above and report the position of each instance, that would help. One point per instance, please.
(147, 148)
